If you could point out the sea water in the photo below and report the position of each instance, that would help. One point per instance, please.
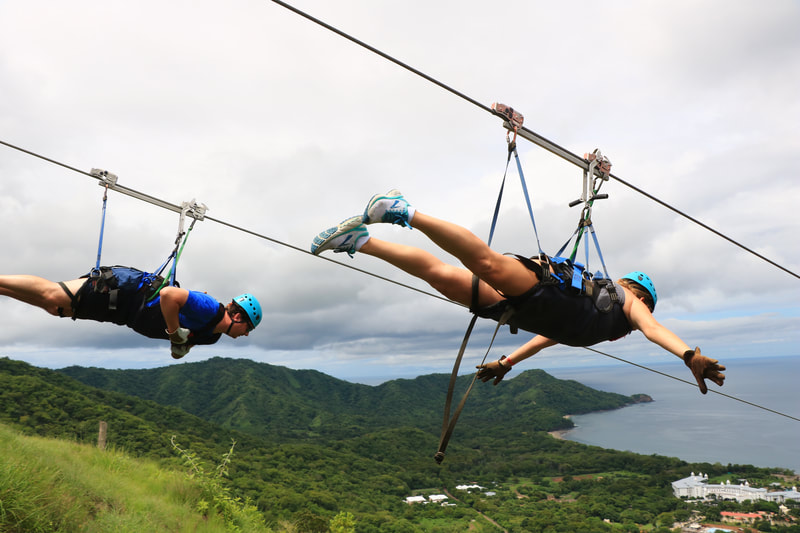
(683, 423)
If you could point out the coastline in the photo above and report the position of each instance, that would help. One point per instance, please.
(560, 434)
(675, 427)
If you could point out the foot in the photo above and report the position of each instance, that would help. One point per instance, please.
(347, 236)
(390, 208)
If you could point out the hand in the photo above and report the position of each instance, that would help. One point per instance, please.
(179, 350)
(704, 368)
(179, 336)
(496, 369)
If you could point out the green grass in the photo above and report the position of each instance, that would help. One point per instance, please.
(52, 485)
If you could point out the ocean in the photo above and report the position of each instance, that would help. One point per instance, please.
(683, 423)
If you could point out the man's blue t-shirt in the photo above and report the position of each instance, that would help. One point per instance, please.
(198, 311)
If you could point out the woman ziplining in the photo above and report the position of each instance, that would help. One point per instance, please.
(525, 293)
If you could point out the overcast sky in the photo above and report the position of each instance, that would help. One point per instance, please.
(283, 128)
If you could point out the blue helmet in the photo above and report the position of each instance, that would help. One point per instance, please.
(251, 307)
(644, 280)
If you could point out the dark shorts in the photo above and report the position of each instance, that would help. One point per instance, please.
(571, 319)
(125, 308)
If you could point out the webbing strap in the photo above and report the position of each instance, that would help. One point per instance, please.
(499, 198)
(599, 253)
(175, 255)
(512, 149)
(449, 423)
(102, 229)
(527, 197)
(579, 232)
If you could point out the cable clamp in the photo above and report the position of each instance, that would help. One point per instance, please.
(107, 179)
(193, 209)
(513, 119)
(599, 164)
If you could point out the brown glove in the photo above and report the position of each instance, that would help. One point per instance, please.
(704, 368)
(179, 350)
(495, 369)
(179, 336)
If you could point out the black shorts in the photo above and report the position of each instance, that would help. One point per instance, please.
(122, 307)
(89, 304)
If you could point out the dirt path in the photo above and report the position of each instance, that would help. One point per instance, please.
(480, 513)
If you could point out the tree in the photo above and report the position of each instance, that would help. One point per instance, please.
(343, 522)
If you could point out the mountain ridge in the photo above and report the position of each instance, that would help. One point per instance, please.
(264, 399)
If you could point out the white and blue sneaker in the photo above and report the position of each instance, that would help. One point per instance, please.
(389, 208)
(348, 236)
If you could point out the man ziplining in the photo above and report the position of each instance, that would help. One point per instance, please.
(128, 297)
(527, 293)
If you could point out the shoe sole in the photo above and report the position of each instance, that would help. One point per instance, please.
(322, 241)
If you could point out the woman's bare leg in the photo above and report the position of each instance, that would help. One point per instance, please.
(503, 273)
(451, 281)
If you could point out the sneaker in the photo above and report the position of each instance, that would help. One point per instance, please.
(390, 208)
(341, 238)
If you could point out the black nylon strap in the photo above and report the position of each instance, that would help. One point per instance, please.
(449, 423)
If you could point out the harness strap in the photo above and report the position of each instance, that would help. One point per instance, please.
(180, 243)
(71, 299)
(513, 148)
(449, 423)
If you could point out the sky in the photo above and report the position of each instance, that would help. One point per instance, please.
(283, 128)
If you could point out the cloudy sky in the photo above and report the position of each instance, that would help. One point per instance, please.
(284, 128)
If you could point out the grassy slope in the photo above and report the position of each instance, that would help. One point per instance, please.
(56, 485)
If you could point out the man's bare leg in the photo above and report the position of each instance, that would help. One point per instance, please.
(40, 292)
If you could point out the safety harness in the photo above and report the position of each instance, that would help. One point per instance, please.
(563, 272)
(114, 279)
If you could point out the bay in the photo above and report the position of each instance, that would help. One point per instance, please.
(683, 423)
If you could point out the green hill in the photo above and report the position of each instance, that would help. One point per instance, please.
(276, 402)
(310, 447)
(47, 403)
(53, 485)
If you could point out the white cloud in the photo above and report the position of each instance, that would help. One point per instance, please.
(283, 128)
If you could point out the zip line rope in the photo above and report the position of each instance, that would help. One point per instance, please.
(526, 133)
(564, 154)
(172, 207)
(692, 384)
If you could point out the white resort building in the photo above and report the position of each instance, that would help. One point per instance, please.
(697, 487)
(433, 498)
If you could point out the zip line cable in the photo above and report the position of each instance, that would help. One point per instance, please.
(172, 207)
(690, 383)
(526, 133)
(564, 154)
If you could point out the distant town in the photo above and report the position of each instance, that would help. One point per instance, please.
(692, 488)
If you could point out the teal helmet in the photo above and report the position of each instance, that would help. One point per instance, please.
(248, 303)
(644, 280)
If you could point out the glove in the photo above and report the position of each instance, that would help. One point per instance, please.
(496, 369)
(179, 350)
(179, 336)
(704, 368)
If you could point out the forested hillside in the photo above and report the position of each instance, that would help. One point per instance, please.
(309, 447)
(270, 401)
